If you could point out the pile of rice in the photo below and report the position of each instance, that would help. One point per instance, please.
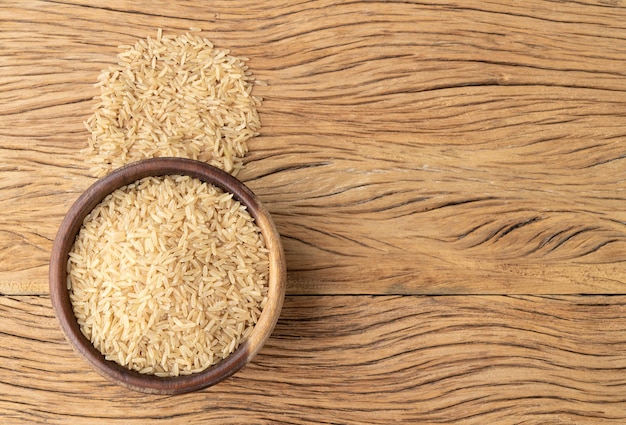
(168, 275)
(173, 96)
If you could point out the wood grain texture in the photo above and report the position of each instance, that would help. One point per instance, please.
(355, 360)
(435, 147)
(470, 148)
(406, 148)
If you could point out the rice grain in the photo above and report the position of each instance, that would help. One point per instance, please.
(173, 96)
(168, 275)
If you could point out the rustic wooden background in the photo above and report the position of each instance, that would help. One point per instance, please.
(449, 180)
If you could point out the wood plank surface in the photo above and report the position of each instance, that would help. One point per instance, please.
(448, 178)
(355, 360)
(406, 148)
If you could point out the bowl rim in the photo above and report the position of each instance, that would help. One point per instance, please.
(64, 241)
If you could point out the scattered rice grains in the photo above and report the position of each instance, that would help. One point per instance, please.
(173, 96)
(168, 275)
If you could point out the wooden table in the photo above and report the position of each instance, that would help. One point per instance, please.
(449, 180)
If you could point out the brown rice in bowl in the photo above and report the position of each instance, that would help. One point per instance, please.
(168, 275)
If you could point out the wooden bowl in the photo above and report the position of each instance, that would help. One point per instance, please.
(67, 234)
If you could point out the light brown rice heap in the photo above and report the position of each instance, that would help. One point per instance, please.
(173, 96)
(168, 275)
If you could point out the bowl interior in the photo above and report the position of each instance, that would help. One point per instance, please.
(67, 234)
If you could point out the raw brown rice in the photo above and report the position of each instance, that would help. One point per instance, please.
(173, 96)
(168, 275)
